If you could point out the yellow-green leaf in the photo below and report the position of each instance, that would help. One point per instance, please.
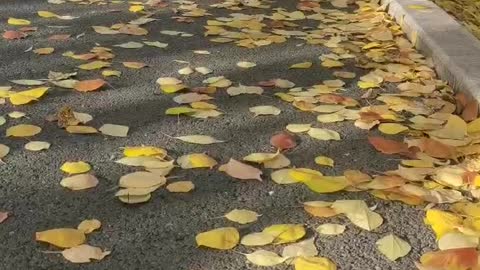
(75, 167)
(393, 247)
(221, 238)
(242, 216)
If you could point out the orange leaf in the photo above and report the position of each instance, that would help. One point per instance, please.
(14, 35)
(451, 259)
(388, 146)
(283, 140)
(320, 211)
(59, 37)
(135, 65)
(89, 85)
(470, 112)
(436, 149)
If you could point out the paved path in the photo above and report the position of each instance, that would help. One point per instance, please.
(160, 234)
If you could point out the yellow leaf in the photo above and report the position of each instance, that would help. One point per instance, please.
(393, 247)
(46, 14)
(24, 97)
(198, 160)
(324, 134)
(314, 263)
(331, 229)
(23, 130)
(136, 8)
(20, 22)
(109, 72)
(325, 161)
(280, 161)
(303, 174)
(264, 258)
(455, 128)
(180, 186)
(198, 139)
(391, 128)
(265, 110)
(94, 65)
(358, 213)
(84, 254)
(467, 208)
(367, 85)
(75, 167)
(442, 222)
(327, 184)
(180, 110)
(305, 248)
(299, 128)
(474, 126)
(203, 105)
(133, 199)
(329, 63)
(144, 151)
(257, 239)
(221, 238)
(141, 180)
(242, 216)
(89, 225)
(418, 163)
(244, 64)
(44, 51)
(302, 65)
(261, 157)
(285, 233)
(79, 182)
(453, 240)
(63, 237)
(81, 130)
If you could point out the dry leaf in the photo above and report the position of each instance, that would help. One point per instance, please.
(257, 239)
(180, 186)
(305, 248)
(242, 216)
(393, 247)
(114, 130)
(23, 130)
(89, 225)
(141, 180)
(84, 254)
(89, 85)
(285, 233)
(75, 167)
(221, 238)
(239, 170)
(79, 182)
(63, 237)
(325, 161)
(264, 258)
(265, 110)
(197, 160)
(198, 139)
(283, 141)
(331, 229)
(323, 134)
(314, 263)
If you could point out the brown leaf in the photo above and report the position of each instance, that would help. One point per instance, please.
(283, 140)
(89, 85)
(14, 35)
(3, 216)
(470, 111)
(436, 149)
(59, 37)
(461, 101)
(239, 170)
(65, 117)
(388, 146)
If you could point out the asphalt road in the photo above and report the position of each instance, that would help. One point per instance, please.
(160, 234)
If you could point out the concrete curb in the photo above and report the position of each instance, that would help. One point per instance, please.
(455, 52)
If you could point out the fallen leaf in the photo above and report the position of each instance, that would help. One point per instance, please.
(462, 258)
(180, 186)
(141, 180)
(79, 182)
(392, 128)
(331, 229)
(197, 160)
(62, 237)
(81, 130)
(198, 139)
(265, 110)
(134, 65)
(305, 248)
(23, 130)
(89, 225)
(94, 65)
(358, 213)
(303, 65)
(299, 128)
(28, 82)
(114, 130)
(239, 170)
(393, 247)
(455, 240)
(221, 238)
(285, 233)
(244, 64)
(243, 89)
(327, 184)
(324, 161)
(323, 134)
(11, 35)
(75, 167)
(134, 199)
(283, 141)
(18, 22)
(5, 215)
(242, 216)
(319, 209)
(260, 157)
(84, 254)
(314, 263)
(4, 150)
(257, 239)
(89, 85)
(388, 146)
(144, 151)
(264, 258)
